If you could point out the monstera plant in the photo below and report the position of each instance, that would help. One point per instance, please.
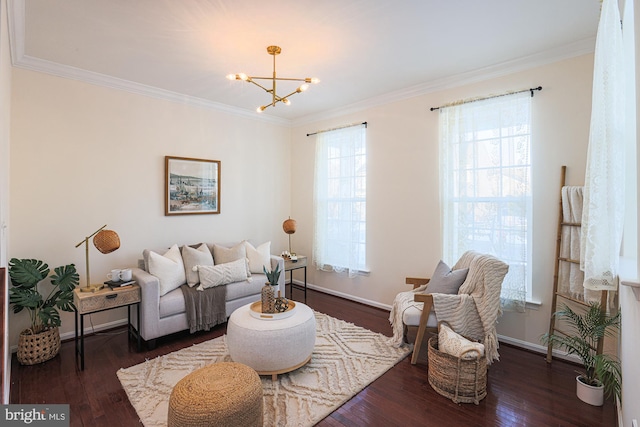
(41, 341)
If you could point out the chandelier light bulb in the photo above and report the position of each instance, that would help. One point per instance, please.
(243, 76)
(261, 109)
(232, 76)
(303, 87)
(313, 80)
(286, 101)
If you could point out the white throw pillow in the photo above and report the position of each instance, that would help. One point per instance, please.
(258, 257)
(168, 268)
(222, 255)
(454, 344)
(221, 274)
(192, 257)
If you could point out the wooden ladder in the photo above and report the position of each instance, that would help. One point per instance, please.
(559, 260)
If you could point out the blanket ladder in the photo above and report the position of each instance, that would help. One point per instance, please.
(559, 260)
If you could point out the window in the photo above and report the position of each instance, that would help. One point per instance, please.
(485, 186)
(340, 200)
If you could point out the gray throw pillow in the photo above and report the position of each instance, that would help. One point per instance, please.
(446, 281)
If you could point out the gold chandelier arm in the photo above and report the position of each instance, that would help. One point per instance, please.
(280, 78)
(259, 85)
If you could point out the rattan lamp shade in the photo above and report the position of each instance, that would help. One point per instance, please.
(289, 226)
(106, 241)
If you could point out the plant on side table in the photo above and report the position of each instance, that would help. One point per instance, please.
(41, 341)
(601, 375)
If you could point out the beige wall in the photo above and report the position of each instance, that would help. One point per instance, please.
(403, 229)
(83, 156)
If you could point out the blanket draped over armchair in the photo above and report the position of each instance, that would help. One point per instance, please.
(472, 312)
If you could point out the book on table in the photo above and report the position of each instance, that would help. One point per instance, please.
(119, 284)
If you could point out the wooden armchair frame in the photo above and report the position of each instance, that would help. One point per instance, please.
(427, 299)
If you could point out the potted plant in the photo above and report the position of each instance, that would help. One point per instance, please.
(268, 295)
(601, 373)
(41, 341)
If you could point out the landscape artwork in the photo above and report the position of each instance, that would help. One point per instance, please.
(192, 186)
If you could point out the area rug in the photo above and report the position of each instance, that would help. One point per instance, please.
(346, 358)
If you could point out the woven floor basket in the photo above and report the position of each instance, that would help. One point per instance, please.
(38, 348)
(463, 381)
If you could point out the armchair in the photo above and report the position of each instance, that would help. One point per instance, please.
(472, 312)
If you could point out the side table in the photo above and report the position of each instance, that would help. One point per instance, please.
(289, 266)
(105, 299)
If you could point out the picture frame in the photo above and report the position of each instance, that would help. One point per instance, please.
(191, 186)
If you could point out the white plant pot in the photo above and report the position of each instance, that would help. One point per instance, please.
(593, 395)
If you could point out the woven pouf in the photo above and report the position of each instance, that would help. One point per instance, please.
(221, 394)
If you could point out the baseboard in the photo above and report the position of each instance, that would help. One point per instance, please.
(345, 296)
(87, 331)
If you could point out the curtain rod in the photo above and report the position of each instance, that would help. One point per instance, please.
(486, 97)
(339, 127)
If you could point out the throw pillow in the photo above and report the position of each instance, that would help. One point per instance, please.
(192, 257)
(454, 344)
(446, 281)
(168, 268)
(223, 255)
(221, 274)
(258, 257)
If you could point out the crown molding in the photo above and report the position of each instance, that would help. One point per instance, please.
(581, 47)
(44, 66)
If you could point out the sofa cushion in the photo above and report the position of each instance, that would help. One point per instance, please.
(168, 268)
(244, 289)
(221, 274)
(446, 281)
(194, 257)
(223, 255)
(259, 257)
(172, 303)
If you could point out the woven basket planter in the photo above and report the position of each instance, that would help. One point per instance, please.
(38, 348)
(461, 380)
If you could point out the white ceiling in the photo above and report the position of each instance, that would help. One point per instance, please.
(362, 50)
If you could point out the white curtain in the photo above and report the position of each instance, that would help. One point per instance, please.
(485, 186)
(340, 201)
(602, 216)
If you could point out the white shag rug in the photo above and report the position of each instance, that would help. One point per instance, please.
(346, 358)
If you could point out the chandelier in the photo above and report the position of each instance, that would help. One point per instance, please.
(275, 98)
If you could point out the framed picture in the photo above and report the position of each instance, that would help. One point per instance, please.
(191, 186)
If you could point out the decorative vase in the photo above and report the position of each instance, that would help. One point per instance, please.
(38, 348)
(593, 395)
(281, 304)
(268, 299)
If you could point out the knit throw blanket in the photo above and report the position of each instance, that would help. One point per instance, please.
(473, 312)
(205, 309)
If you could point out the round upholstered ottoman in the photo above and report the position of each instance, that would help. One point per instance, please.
(220, 394)
(272, 347)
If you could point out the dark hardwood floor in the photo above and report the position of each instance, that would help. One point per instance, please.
(523, 390)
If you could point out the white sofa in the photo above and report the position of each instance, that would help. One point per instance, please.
(166, 314)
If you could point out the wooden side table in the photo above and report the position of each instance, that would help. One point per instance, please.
(105, 299)
(289, 266)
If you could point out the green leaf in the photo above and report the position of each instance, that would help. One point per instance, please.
(66, 277)
(49, 316)
(26, 273)
(24, 298)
